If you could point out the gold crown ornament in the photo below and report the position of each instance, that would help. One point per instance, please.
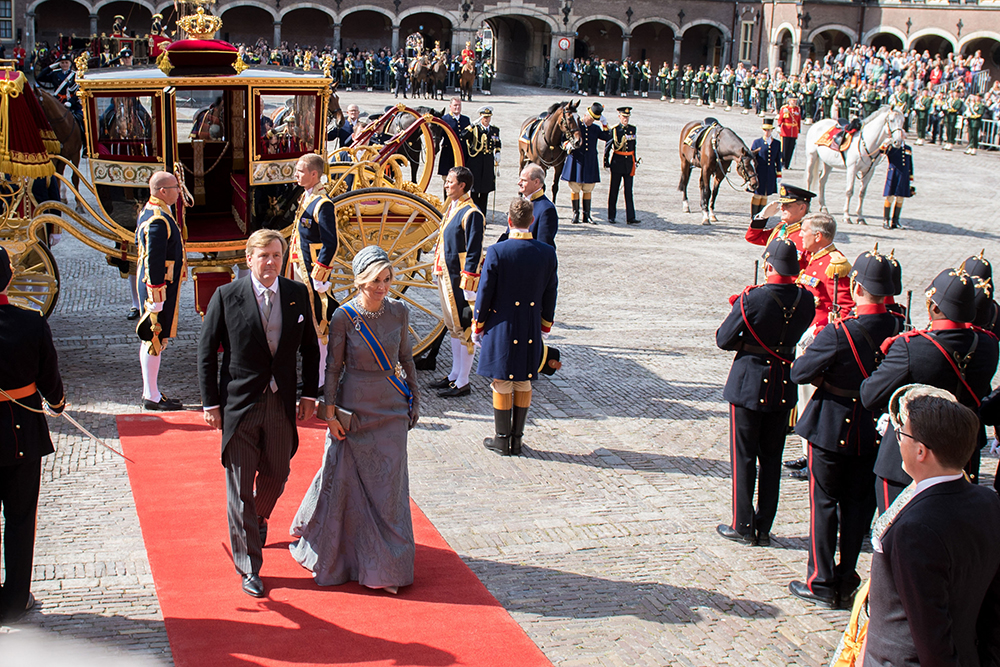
(200, 25)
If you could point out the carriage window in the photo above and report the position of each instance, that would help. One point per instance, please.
(201, 114)
(286, 125)
(126, 127)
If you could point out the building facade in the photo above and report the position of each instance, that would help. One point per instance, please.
(530, 35)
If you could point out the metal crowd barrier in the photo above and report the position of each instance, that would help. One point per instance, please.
(989, 135)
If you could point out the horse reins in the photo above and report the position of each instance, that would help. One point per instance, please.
(718, 159)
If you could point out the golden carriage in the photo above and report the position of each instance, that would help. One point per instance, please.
(232, 134)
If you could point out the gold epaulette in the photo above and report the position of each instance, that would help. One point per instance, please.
(839, 265)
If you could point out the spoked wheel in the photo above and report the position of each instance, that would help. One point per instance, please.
(35, 283)
(406, 226)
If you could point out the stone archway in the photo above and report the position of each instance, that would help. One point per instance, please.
(599, 38)
(886, 40)
(831, 39)
(138, 18)
(703, 44)
(307, 28)
(990, 52)
(245, 24)
(653, 41)
(520, 46)
(368, 30)
(933, 42)
(434, 28)
(60, 17)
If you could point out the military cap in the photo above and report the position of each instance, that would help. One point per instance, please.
(768, 124)
(954, 293)
(65, 57)
(783, 256)
(486, 111)
(596, 110)
(625, 110)
(791, 193)
(550, 361)
(978, 266)
(6, 270)
(873, 271)
(366, 257)
(125, 53)
(897, 274)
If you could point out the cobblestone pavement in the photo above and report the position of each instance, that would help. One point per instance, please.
(600, 540)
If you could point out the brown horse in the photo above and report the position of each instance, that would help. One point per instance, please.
(68, 133)
(334, 114)
(465, 80)
(439, 77)
(548, 138)
(419, 76)
(716, 150)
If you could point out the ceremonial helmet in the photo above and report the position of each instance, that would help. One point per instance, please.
(783, 256)
(954, 293)
(978, 266)
(897, 273)
(874, 272)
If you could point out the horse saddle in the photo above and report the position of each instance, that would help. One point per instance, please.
(529, 130)
(840, 136)
(696, 137)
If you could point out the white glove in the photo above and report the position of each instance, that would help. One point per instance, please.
(321, 287)
(546, 334)
(67, 105)
(477, 339)
(882, 425)
(496, 158)
(469, 296)
(155, 306)
(994, 448)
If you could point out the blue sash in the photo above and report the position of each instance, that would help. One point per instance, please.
(381, 358)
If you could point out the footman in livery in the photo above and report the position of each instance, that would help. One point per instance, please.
(582, 168)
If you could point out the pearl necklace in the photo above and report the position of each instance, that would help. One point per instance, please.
(367, 313)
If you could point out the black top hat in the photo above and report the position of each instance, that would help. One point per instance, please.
(791, 193)
(873, 271)
(596, 110)
(767, 124)
(978, 267)
(897, 274)
(783, 257)
(550, 361)
(6, 270)
(954, 293)
(625, 110)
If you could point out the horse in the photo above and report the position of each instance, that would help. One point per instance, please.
(719, 148)
(412, 149)
(465, 80)
(439, 77)
(860, 157)
(334, 114)
(68, 133)
(548, 138)
(419, 76)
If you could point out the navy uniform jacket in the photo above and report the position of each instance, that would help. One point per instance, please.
(516, 302)
(546, 220)
(619, 153)
(913, 358)
(447, 160)
(834, 418)
(29, 356)
(935, 589)
(314, 242)
(758, 380)
(484, 142)
(583, 165)
(160, 264)
(767, 159)
(459, 251)
(900, 171)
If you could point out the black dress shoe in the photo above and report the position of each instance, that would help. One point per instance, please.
(632, 222)
(454, 391)
(252, 585)
(612, 221)
(731, 533)
(132, 314)
(163, 404)
(800, 474)
(763, 539)
(443, 383)
(262, 529)
(800, 590)
(425, 363)
(796, 464)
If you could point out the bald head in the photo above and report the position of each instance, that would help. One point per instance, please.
(163, 186)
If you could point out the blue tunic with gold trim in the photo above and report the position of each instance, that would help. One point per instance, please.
(160, 264)
(459, 253)
(313, 247)
(584, 164)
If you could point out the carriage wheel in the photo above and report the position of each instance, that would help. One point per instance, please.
(35, 283)
(406, 227)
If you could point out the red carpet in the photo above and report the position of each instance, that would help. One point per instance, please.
(447, 617)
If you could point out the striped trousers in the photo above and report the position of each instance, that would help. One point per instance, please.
(258, 453)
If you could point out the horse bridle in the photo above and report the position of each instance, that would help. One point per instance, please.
(567, 134)
(863, 145)
(739, 163)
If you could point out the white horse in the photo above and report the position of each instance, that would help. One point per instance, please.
(860, 157)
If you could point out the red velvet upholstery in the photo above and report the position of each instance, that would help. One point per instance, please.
(205, 284)
(201, 56)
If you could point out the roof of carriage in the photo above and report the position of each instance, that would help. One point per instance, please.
(140, 75)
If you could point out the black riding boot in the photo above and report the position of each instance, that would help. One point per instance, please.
(586, 212)
(517, 430)
(886, 215)
(895, 214)
(576, 212)
(755, 209)
(501, 442)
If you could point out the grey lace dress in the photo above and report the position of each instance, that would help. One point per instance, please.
(354, 522)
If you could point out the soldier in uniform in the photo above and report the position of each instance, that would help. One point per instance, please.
(869, 100)
(545, 224)
(645, 74)
(620, 158)
(686, 82)
(949, 355)
(515, 307)
(728, 81)
(767, 158)
(841, 433)
(663, 77)
(398, 67)
(778, 86)
(790, 122)
(898, 182)
(582, 166)
(481, 143)
(313, 247)
(673, 80)
(953, 109)
(29, 374)
(974, 112)
(763, 86)
(601, 77)
(827, 94)
(487, 78)
(458, 259)
(809, 89)
(922, 108)
(762, 327)
(160, 270)
(745, 85)
(987, 310)
(711, 87)
(699, 85)
(845, 94)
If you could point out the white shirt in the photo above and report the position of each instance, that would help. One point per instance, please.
(925, 484)
(259, 289)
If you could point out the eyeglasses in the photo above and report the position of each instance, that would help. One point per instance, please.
(900, 432)
(170, 187)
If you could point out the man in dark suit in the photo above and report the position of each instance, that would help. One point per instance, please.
(545, 219)
(934, 597)
(458, 123)
(762, 328)
(260, 322)
(29, 372)
(515, 306)
(841, 433)
(949, 355)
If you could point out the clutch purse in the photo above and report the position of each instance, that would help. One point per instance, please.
(346, 418)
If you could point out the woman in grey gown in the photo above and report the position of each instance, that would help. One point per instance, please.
(354, 522)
